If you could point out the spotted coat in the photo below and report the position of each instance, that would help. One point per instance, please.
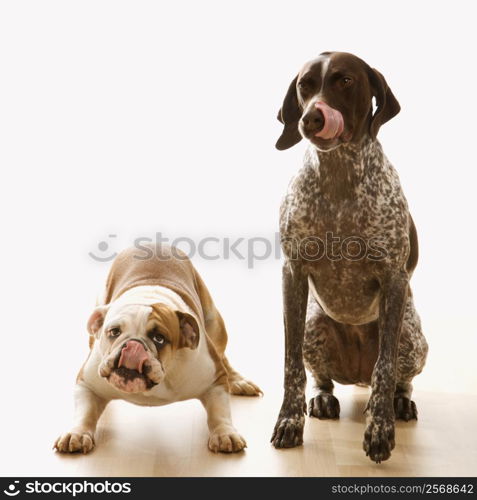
(350, 248)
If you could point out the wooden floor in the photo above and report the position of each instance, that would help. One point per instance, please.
(171, 441)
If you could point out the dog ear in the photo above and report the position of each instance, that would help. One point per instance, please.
(96, 321)
(289, 115)
(387, 105)
(189, 330)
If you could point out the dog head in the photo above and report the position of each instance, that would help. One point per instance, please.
(329, 102)
(138, 343)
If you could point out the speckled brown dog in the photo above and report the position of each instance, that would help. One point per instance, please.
(349, 240)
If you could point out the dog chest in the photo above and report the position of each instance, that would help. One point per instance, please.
(367, 222)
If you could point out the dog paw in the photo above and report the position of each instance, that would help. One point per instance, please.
(379, 439)
(226, 441)
(405, 409)
(74, 442)
(288, 432)
(243, 387)
(324, 406)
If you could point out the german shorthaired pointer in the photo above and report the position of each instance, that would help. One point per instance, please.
(349, 240)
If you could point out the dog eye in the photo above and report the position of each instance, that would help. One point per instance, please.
(159, 339)
(346, 81)
(114, 332)
(303, 85)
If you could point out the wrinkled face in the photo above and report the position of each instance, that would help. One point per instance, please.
(138, 343)
(330, 102)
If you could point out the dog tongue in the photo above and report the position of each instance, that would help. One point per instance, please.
(133, 356)
(334, 124)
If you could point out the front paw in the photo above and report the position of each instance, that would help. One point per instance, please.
(379, 439)
(226, 441)
(74, 442)
(324, 406)
(288, 432)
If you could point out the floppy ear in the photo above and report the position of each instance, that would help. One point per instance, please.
(387, 105)
(96, 321)
(289, 115)
(189, 330)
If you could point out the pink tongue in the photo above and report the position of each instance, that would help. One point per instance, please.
(133, 356)
(334, 124)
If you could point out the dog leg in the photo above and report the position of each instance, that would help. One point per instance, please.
(223, 436)
(324, 404)
(288, 430)
(215, 327)
(88, 408)
(379, 434)
(239, 385)
(411, 359)
(404, 408)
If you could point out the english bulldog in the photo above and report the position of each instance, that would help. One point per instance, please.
(156, 338)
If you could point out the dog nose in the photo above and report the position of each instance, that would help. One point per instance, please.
(313, 120)
(133, 356)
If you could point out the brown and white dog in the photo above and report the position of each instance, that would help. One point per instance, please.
(349, 315)
(156, 338)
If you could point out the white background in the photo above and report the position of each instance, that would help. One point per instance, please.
(129, 118)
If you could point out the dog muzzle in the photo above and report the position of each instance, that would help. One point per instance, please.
(130, 372)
